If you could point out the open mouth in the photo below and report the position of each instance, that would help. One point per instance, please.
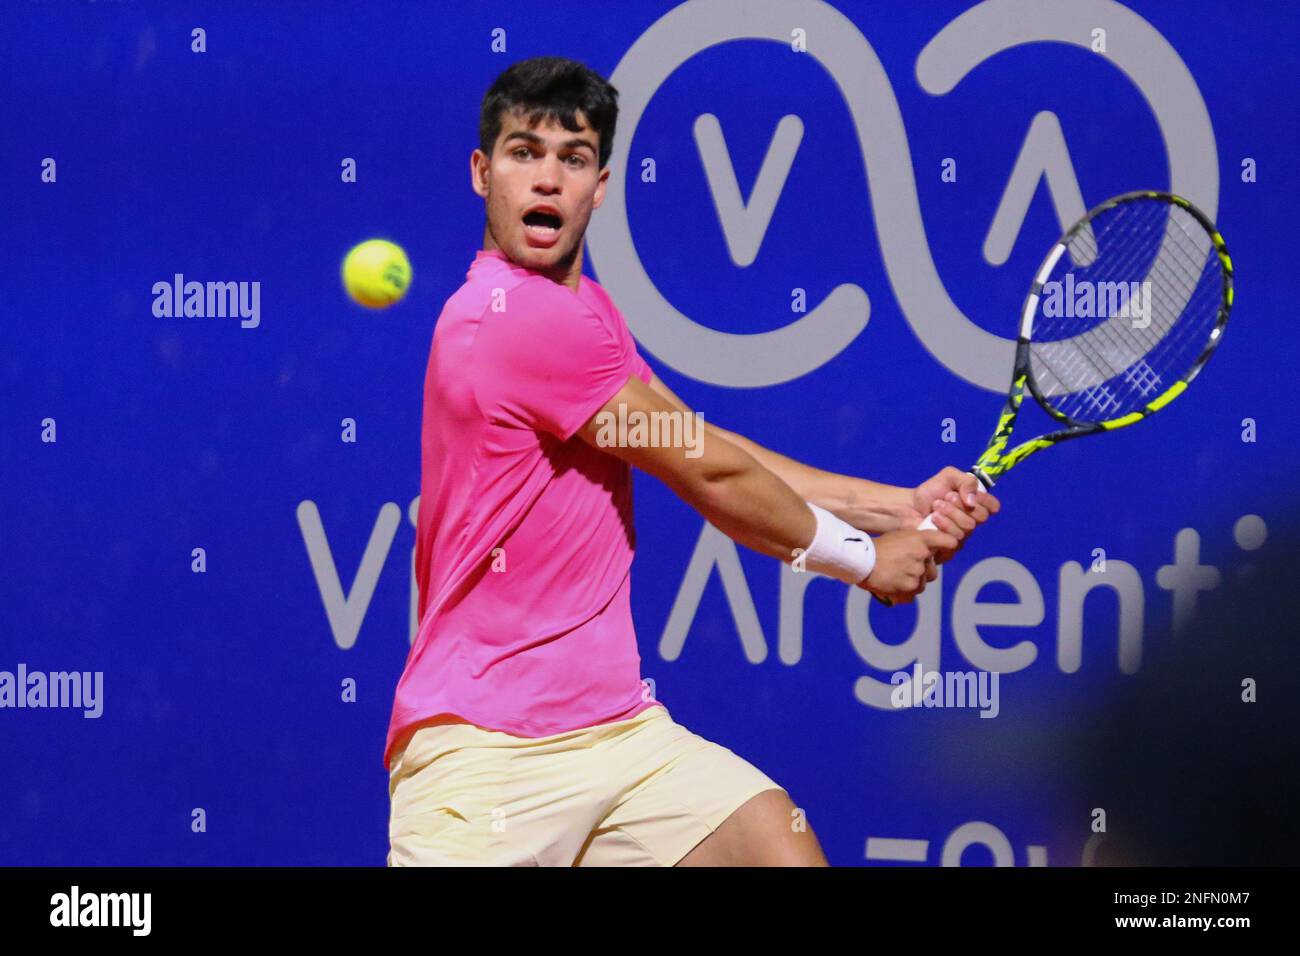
(542, 223)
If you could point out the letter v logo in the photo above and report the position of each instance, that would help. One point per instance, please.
(346, 613)
(745, 224)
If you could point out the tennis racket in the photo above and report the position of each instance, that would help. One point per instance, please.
(1124, 312)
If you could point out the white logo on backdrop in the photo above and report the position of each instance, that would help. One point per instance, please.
(964, 348)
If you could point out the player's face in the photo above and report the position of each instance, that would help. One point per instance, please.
(541, 185)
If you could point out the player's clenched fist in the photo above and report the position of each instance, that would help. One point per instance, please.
(905, 563)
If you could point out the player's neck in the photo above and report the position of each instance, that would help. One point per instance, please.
(566, 272)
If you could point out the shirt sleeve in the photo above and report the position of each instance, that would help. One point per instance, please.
(548, 362)
(641, 368)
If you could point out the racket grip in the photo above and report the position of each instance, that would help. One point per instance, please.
(927, 524)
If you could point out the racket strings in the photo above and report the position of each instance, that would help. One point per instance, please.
(1144, 258)
(1085, 241)
(1175, 301)
(1134, 354)
(1150, 337)
(1075, 362)
(1134, 263)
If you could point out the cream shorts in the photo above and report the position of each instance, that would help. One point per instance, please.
(637, 792)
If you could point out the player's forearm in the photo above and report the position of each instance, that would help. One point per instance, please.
(749, 504)
(870, 505)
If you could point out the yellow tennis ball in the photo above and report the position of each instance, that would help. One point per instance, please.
(376, 273)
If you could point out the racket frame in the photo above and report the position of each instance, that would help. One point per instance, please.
(993, 463)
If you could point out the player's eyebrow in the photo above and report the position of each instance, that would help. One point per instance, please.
(531, 137)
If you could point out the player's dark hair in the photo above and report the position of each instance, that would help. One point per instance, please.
(550, 87)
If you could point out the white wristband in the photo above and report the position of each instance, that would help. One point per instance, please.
(839, 550)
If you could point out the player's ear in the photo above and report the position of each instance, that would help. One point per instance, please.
(601, 183)
(480, 165)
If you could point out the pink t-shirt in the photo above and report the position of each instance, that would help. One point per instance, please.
(524, 540)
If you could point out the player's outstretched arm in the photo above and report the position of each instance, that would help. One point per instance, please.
(720, 480)
(746, 501)
(872, 506)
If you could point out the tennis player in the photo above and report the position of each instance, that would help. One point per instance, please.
(521, 732)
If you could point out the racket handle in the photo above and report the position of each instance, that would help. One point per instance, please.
(927, 524)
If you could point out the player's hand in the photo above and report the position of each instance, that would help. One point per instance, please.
(958, 503)
(905, 563)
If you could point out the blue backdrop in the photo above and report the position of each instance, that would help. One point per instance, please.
(905, 140)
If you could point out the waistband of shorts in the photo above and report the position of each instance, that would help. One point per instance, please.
(404, 738)
(595, 730)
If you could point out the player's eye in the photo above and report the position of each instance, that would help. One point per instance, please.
(581, 161)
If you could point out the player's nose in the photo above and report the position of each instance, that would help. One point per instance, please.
(548, 174)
